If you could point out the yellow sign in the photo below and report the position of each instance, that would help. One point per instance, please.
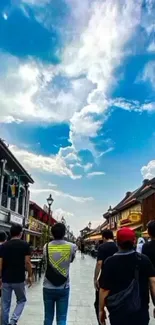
(135, 217)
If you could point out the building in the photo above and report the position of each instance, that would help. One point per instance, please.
(135, 210)
(14, 190)
(96, 235)
(37, 232)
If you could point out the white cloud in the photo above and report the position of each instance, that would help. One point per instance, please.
(149, 73)
(57, 193)
(151, 47)
(39, 3)
(148, 171)
(94, 52)
(59, 213)
(51, 164)
(132, 105)
(92, 174)
(105, 152)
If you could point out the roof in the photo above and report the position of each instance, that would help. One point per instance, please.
(131, 198)
(13, 163)
(31, 203)
(86, 229)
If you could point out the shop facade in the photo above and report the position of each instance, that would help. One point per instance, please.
(14, 190)
(135, 210)
(38, 225)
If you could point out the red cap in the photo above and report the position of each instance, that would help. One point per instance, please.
(126, 234)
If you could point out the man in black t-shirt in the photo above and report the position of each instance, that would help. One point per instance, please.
(119, 271)
(14, 257)
(148, 248)
(107, 249)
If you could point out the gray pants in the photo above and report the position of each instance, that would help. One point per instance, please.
(19, 290)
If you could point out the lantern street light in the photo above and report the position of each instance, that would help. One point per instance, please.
(68, 232)
(50, 201)
(63, 220)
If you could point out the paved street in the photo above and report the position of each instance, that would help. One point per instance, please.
(81, 311)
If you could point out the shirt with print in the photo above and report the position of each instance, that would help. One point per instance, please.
(64, 262)
(13, 254)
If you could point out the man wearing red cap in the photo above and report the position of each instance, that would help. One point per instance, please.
(127, 275)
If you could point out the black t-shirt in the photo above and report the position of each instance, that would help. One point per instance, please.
(13, 254)
(119, 272)
(148, 249)
(106, 250)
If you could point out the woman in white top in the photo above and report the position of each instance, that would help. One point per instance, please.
(140, 244)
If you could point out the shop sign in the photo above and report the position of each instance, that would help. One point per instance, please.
(15, 219)
(35, 225)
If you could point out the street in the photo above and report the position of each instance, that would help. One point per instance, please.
(81, 309)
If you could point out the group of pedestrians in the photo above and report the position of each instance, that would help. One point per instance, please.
(124, 278)
(15, 262)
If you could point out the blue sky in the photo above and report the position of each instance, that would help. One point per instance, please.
(77, 99)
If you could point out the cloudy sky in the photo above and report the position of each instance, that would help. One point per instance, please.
(77, 99)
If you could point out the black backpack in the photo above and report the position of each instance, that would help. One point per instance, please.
(127, 301)
(52, 275)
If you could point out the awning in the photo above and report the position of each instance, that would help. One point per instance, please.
(92, 238)
(132, 226)
(31, 232)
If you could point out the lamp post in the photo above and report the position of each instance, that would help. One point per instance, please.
(68, 232)
(50, 201)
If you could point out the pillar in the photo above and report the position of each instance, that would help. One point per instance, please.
(3, 163)
(8, 203)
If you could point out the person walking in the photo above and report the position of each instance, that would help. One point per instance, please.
(14, 258)
(125, 282)
(82, 248)
(3, 238)
(140, 243)
(105, 250)
(58, 255)
(149, 247)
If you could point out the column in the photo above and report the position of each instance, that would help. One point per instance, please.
(26, 205)
(3, 163)
(8, 203)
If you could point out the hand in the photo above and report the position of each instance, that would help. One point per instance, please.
(29, 281)
(102, 317)
(96, 285)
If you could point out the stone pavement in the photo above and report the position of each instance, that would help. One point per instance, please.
(81, 309)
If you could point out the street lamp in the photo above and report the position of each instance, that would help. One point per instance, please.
(89, 225)
(68, 232)
(63, 220)
(50, 201)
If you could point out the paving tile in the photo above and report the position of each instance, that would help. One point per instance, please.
(81, 305)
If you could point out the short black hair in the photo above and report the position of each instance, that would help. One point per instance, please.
(126, 246)
(58, 231)
(151, 228)
(15, 230)
(107, 234)
(3, 236)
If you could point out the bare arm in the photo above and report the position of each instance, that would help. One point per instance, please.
(1, 265)
(152, 289)
(97, 274)
(103, 295)
(28, 266)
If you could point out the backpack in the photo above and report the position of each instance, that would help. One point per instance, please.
(127, 301)
(52, 274)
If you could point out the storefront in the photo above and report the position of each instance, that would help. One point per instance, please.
(36, 233)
